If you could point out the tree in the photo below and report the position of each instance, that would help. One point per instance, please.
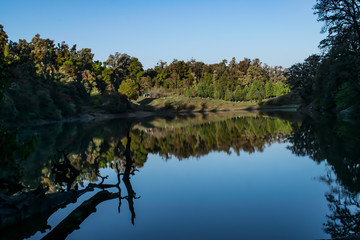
(85, 59)
(257, 90)
(129, 88)
(302, 76)
(255, 73)
(3, 75)
(269, 89)
(136, 69)
(342, 21)
(119, 65)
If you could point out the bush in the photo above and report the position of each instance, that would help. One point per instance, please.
(190, 92)
(158, 93)
(115, 103)
(129, 88)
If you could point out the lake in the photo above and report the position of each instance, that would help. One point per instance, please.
(200, 176)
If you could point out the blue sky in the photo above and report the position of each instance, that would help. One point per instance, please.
(279, 32)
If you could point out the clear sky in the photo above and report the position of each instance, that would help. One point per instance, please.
(278, 32)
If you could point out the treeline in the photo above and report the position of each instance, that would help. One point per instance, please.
(45, 80)
(42, 80)
(331, 82)
(239, 81)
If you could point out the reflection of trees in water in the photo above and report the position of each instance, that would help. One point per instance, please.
(43, 206)
(344, 217)
(85, 149)
(338, 144)
(94, 146)
(243, 134)
(335, 142)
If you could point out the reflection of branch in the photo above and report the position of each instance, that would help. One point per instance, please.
(129, 169)
(76, 217)
(344, 219)
(65, 171)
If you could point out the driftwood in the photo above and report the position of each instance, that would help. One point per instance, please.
(76, 217)
(14, 210)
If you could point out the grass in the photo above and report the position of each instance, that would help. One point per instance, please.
(186, 104)
(181, 104)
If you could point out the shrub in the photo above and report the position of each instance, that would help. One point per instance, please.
(129, 88)
(115, 103)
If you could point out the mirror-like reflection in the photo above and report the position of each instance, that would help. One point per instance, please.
(66, 165)
(337, 143)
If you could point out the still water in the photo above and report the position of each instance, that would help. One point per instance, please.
(239, 176)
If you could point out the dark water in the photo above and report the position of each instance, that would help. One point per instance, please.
(242, 176)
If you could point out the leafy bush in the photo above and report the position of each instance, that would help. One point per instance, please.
(129, 88)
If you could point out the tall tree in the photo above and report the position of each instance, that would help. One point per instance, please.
(342, 21)
(3, 75)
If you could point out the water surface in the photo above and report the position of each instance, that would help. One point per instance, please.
(238, 176)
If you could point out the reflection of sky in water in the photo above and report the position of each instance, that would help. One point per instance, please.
(268, 195)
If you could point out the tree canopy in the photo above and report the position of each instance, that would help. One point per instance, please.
(331, 82)
(49, 80)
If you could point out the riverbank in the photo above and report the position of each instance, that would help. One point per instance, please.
(166, 107)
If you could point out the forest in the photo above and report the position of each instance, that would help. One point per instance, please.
(45, 80)
(330, 82)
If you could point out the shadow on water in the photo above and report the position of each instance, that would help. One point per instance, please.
(337, 143)
(69, 155)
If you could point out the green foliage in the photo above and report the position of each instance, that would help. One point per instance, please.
(348, 95)
(49, 81)
(332, 81)
(241, 94)
(256, 90)
(136, 69)
(269, 89)
(70, 82)
(204, 90)
(3, 64)
(228, 95)
(190, 92)
(301, 76)
(129, 88)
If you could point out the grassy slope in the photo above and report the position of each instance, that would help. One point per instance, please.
(186, 104)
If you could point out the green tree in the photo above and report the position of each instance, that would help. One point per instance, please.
(255, 73)
(269, 89)
(257, 90)
(3, 65)
(302, 76)
(240, 94)
(204, 89)
(119, 65)
(136, 69)
(342, 22)
(129, 88)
